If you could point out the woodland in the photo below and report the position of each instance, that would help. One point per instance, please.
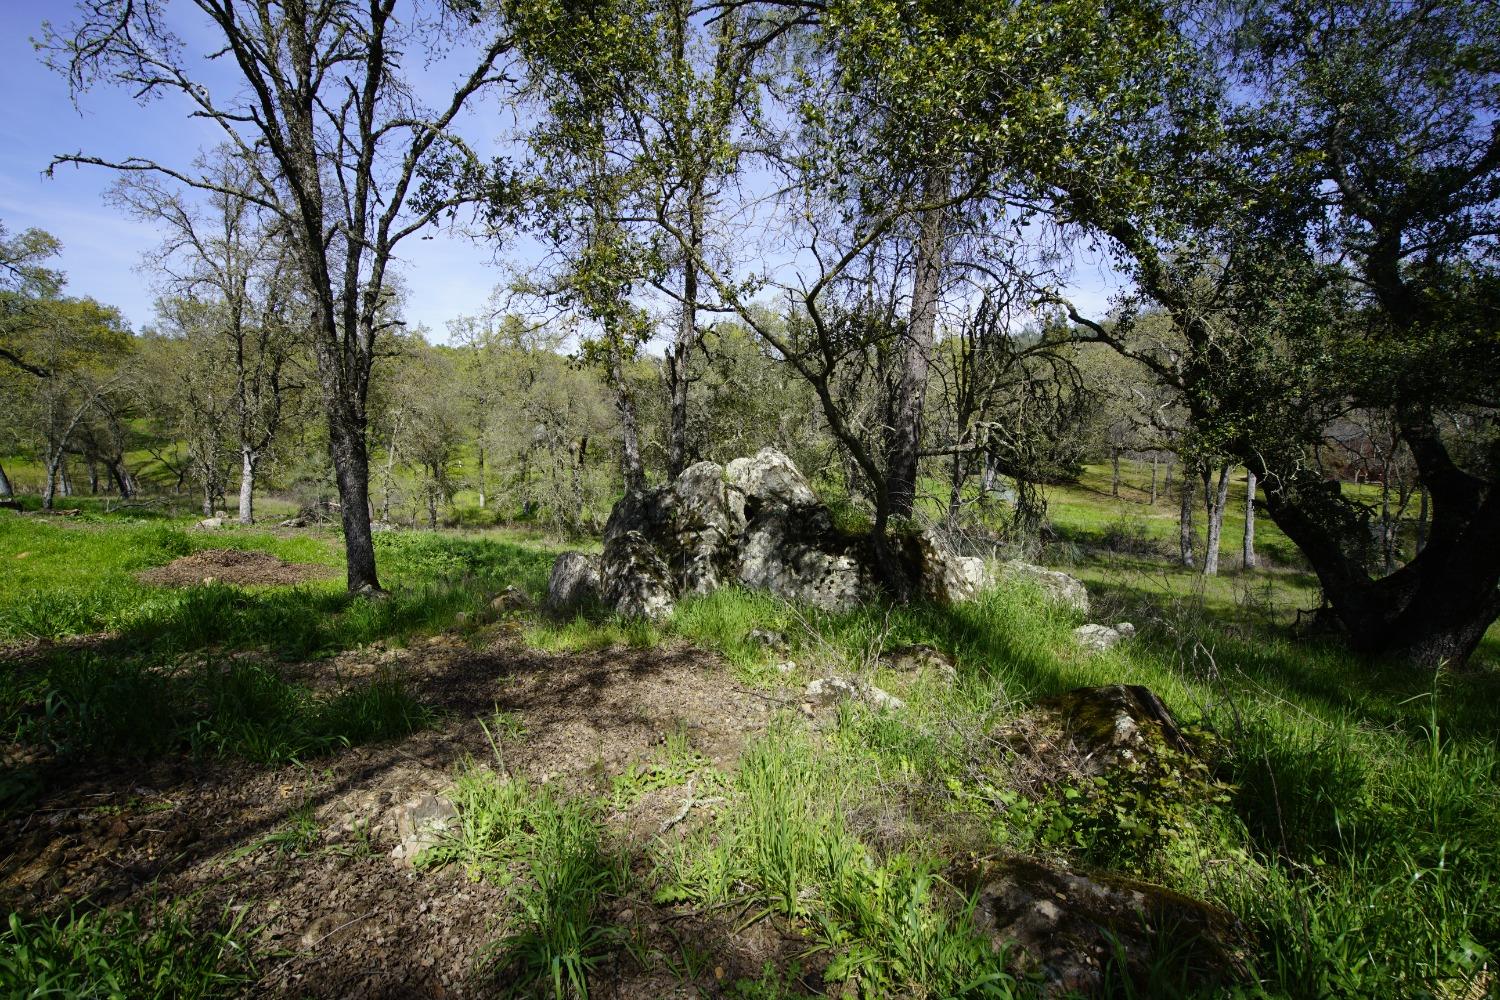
(791, 581)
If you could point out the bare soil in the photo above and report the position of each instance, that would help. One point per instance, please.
(234, 566)
(340, 917)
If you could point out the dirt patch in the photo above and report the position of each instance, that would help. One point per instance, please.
(304, 853)
(235, 566)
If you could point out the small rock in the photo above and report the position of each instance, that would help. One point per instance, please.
(831, 690)
(420, 823)
(297, 522)
(917, 659)
(1067, 927)
(1102, 637)
(786, 667)
(511, 599)
(331, 927)
(211, 523)
(770, 639)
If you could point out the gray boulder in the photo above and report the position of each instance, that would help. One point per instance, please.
(757, 523)
(1059, 587)
(797, 554)
(702, 529)
(769, 477)
(946, 576)
(832, 690)
(574, 583)
(1100, 638)
(634, 579)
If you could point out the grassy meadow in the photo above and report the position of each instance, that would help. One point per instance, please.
(1352, 828)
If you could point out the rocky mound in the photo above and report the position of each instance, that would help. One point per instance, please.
(757, 523)
(242, 568)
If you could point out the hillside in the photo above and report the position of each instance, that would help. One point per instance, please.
(238, 777)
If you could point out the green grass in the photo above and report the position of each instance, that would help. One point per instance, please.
(200, 667)
(121, 954)
(63, 579)
(1354, 836)
(783, 846)
(549, 849)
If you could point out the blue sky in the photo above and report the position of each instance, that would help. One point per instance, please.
(445, 276)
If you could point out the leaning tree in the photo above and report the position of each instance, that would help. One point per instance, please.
(1316, 202)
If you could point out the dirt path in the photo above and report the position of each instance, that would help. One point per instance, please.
(303, 854)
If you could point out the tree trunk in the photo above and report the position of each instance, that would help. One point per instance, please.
(1422, 521)
(65, 484)
(1248, 550)
(1185, 523)
(351, 470)
(1387, 527)
(682, 345)
(481, 476)
(1436, 608)
(248, 460)
(121, 476)
(93, 477)
(5, 487)
(1114, 479)
(49, 487)
(989, 477)
(916, 350)
(525, 484)
(1153, 480)
(630, 448)
(1218, 500)
(956, 476)
(576, 518)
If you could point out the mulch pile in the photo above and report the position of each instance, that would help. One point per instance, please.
(233, 566)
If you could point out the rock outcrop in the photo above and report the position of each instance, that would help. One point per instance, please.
(422, 822)
(1099, 731)
(757, 523)
(1093, 935)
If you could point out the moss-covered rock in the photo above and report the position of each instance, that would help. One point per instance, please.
(1102, 935)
